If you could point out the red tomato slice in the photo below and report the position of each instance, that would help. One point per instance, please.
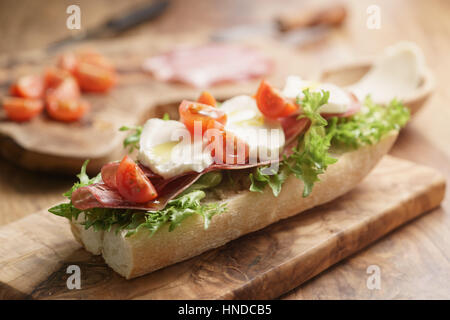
(132, 183)
(228, 149)
(94, 78)
(95, 58)
(207, 98)
(67, 88)
(32, 87)
(54, 76)
(67, 110)
(190, 112)
(271, 103)
(22, 109)
(68, 61)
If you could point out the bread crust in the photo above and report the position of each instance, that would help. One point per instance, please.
(140, 254)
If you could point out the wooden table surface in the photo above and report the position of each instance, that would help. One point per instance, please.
(414, 260)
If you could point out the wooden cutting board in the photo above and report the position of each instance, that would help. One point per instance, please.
(47, 145)
(36, 251)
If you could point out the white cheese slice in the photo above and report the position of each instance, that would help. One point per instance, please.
(166, 148)
(338, 102)
(264, 137)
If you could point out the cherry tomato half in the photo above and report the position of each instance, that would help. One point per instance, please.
(67, 88)
(271, 103)
(32, 86)
(68, 61)
(207, 98)
(22, 109)
(226, 147)
(95, 58)
(54, 76)
(67, 110)
(94, 78)
(132, 183)
(190, 112)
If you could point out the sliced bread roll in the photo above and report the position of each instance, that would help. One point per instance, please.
(246, 212)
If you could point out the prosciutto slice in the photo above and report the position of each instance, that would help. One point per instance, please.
(206, 65)
(100, 195)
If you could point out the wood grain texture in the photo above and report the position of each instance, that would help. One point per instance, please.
(421, 247)
(36, 250)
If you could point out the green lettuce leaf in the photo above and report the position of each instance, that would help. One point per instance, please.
(368, 126)
(206, 181)
(260, 179)
(310, 158)
(132, 140)
(185, 205)
(84, 180)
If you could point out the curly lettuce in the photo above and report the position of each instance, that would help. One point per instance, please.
(312, 156)
(104, 219)
(369, 125)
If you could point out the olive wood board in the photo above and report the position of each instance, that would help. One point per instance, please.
(36, 251)
(46, 145)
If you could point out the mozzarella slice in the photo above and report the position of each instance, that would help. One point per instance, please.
(166, 148)
(264, 137)
(338, 102)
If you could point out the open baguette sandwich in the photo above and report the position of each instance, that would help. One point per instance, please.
(227, 169)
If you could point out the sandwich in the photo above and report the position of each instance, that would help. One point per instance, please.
(223, 170)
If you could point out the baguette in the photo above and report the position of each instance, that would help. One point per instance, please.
(246, 212)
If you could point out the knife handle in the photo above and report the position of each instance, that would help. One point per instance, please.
(329, 16)
(136, 17)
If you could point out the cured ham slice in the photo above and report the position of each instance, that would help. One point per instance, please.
(100, 195)
(209, 64)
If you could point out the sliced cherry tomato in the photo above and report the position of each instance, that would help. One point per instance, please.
(207, 98)
(32, 86)
(226, 147)
(289, 109)
(67, 110)
(54, 76)
(132, 183)
(95, 58)
(271, 103)
(67, 88)
(191, 112)
(22, 109)
(94, 78)
(68, 61)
